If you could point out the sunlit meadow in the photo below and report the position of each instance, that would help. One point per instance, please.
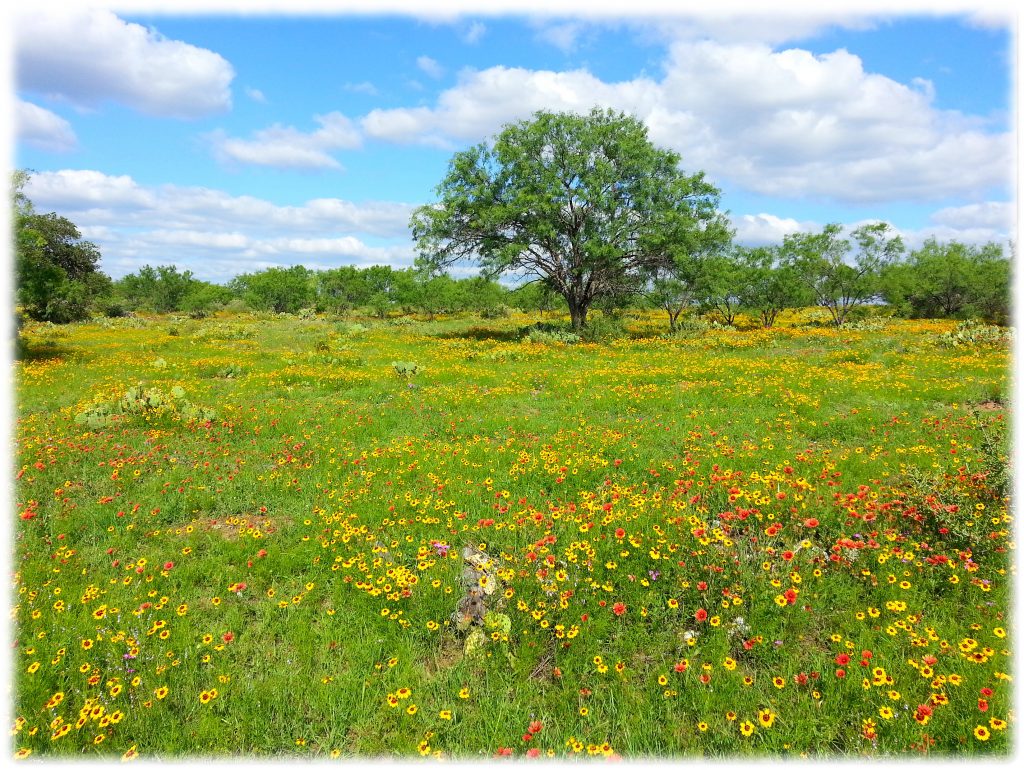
(253, 536)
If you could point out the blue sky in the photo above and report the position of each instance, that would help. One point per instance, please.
(226, 143)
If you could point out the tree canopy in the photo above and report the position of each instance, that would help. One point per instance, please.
(56, 272)
(584, 202)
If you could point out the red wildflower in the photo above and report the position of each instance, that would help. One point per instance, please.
(619, 609)
(701, 615)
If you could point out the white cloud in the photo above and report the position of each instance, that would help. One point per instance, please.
(431, 67)
(256, 95)
(775, 27)
(43, 129)
(365, 87)
(217, 235)
(474, 33)
(767, 229)
(787, 123)
(990, 214)
(563, 35)
(973, 224)
(88, 57)
(287, 147)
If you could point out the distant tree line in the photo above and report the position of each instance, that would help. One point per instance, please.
(58, 280)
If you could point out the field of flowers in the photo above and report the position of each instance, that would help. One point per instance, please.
(309, 537)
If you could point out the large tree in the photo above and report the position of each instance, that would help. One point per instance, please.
(951, 280)
(585, 203)
(56, 273)
(840, 276)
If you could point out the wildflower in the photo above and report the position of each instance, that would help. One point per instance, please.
(981, 733)
(746, 728)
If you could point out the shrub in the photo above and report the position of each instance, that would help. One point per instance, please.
(495, 311)
(405, 368)
(973, 333)
(602, 328)
(549, 334)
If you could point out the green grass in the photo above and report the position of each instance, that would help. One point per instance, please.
(630, 473)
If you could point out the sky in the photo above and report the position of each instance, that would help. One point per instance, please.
(224, 142)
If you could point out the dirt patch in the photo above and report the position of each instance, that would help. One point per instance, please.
(989, 406)
(447, 657)
(231, 527)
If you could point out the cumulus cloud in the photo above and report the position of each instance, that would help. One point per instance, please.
(287, 147)
(43, 129)
(430, 66)
(991, 214)
(89, 56)
(974, 224)
(787, 123)
(217, 235)
(768, 229)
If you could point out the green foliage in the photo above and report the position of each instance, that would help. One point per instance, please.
(973, 333)
(769, 286)
(550, 334)
(837, 283)
(56, 274)
(230, 372)
(139, 401)
(602, 328)
(951, 280)
(276, 289)
(224, 331)
(584, 202)
(405, 368)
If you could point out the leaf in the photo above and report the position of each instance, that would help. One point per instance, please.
(499, 622)
(475, 642)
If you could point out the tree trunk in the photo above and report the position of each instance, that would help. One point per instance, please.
(578, 314)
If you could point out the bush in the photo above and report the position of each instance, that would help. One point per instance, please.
(603, 328)
(109, 307)
(496, 311)
(972, 334)
(236, 307)
(549, 334)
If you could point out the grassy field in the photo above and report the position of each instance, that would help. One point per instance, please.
(728, 543)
